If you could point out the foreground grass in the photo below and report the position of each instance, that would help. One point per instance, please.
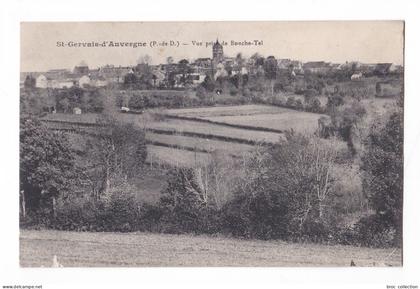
(75, 249)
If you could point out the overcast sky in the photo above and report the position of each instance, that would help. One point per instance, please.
(335, 41)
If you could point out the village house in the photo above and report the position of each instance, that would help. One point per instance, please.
(384, 68)
(202, 65)
(47, 82)
(284, 64)
(196, 78)
(58, 73)
(297, 66)
(81, 69)
(356, 76)
(77, 110)
(84, 81)
(98, 81)
(61, 81)
(158, 77)
(115, 74)
(41, 81)
(317, 67)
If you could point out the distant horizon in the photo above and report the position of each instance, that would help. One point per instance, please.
(155, 64)
(330, 41)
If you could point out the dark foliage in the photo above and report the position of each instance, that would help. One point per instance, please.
(46, 165)
(383, 172)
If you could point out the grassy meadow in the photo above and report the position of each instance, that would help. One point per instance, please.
(83, 249)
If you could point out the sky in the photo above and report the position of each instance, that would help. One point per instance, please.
(332, 41)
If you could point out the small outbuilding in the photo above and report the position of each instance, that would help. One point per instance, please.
(77, 110)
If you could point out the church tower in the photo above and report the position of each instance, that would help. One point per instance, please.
(217, 52)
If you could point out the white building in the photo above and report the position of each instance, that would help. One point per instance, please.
(61, 83)
(84, 81)
(41, 81)
(196, 78)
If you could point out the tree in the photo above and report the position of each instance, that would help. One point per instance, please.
(137, 102)
(64, 105)
(304, 166)
(169, 60)
(183, 68)
(208, 84)
(382, 167)
(96, 103)
(183, 201)
(345, 120)
(258, 59)
(29, 82)
(240, 64)
(335, 101)
(315, 105)
(291, 102)
(270, 67)
(117, 153)
(46, 165)
(144, 59)
(216, 179)
(130, 79)
(289, 192)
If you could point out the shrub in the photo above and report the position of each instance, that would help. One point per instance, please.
(315, 105)
(335, 101)
(233, 91)
(310, 94)
(121, 210)
(247, 94)
(116, 211)
(183, 203)
(78, 214)
(281, 197)
(291, 102)
(137, 102)
(201, 92)
(278, 86)
(382, 172)
(299, 104)
(371, 232)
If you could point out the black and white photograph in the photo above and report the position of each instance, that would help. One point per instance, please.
(203, 144)
(208, 145)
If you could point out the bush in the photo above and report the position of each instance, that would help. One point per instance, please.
(315, 105)
(310, 94)
(183, 204)
(201, 92)
(335, 101)
(280, 199)
(299, 104)
(137, 102)
(117, 211)
(382, 172)
(371, 232)
(121, 210)
(247, 93)
(278, 86)
(291, 102)
(233, 91)
(78, 214)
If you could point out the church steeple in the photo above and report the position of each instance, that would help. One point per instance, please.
(217, 52)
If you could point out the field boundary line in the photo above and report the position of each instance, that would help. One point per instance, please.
(77, 127)
(239, 126)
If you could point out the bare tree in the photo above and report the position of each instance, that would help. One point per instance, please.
(144, 59)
